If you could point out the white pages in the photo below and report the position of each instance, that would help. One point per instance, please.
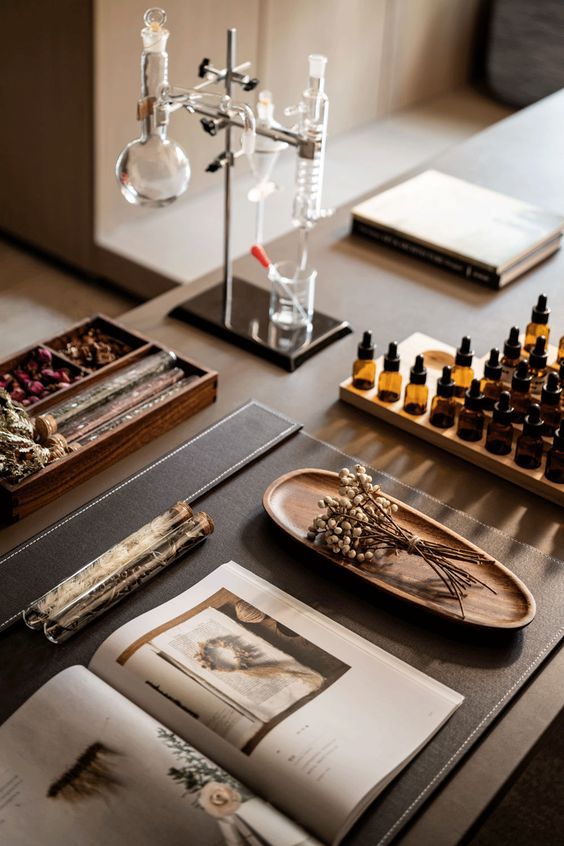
(286, 705)
(312, 717)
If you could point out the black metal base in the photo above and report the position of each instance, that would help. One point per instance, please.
(251, 329)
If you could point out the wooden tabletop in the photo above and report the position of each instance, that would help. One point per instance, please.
(396, 296)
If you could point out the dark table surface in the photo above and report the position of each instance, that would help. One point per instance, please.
(396, 296)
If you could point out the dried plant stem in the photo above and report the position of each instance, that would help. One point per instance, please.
(360, 522)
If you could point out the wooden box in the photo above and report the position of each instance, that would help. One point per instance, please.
(18, 500)
(437, 355)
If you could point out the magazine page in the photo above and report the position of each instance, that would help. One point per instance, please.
(79, 763)
(314, 718)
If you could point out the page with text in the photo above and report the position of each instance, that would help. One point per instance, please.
(315, 718)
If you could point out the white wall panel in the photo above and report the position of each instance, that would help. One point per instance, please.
(383, 55)
(429, 49)
(349, 32)
(197, 29)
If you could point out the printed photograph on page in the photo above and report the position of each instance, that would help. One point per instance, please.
(231, 666)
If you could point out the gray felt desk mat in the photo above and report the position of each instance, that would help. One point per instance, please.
(488, 668)
(183, 473)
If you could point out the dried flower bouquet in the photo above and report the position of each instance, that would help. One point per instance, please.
(359, 525)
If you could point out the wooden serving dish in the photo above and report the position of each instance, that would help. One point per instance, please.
(437, 355)
(19, 500)
(292, 502)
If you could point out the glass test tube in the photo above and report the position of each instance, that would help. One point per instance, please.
(60, 415)
(110, 562)
(116, 587)
(93, 418)
(130, 414)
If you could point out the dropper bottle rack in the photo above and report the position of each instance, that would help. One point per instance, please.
(438, 355)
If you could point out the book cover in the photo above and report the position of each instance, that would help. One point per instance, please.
(461, 227)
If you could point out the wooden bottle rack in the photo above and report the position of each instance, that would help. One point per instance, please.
(437, 355)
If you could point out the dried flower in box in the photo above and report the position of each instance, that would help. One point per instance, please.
(360, 525)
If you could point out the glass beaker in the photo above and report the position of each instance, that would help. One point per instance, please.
(292, 294)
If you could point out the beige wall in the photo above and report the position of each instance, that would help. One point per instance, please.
(197, 29)
(383, 55)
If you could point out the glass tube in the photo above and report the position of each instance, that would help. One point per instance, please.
(132, 413)
(117, 586)
(83, 423)
(109, 563)
(62, 413)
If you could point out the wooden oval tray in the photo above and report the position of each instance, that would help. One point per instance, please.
(292, 502)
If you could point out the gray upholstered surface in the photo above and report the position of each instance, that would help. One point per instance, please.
(488, 668)
(525, 49)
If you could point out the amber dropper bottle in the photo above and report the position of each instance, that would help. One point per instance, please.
(491, 384)
(443, 407)
(471, 417)
(499, 435)
(521, 392)
(560, 353)
(539, 323)
(462, 372)
(538, 359)
(555, 458)
(364, 368)
(511, 356)
(416, 391)
(551, 411)
(528, 452)
(389, 382)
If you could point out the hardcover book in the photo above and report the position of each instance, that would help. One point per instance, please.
(232, 715)
(460, 227)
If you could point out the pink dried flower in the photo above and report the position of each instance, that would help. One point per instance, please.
(18, 395)
(44, 355)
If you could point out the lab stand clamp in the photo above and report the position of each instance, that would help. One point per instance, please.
(154, 170)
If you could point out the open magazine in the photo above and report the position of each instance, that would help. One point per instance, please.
(231, 691)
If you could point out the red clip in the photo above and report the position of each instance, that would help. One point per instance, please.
(258, 251)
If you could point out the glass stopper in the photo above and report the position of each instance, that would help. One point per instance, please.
(154, 17)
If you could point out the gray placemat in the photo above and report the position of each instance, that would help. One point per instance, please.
(487, 667)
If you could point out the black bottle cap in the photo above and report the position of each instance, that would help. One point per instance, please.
(538, 356)
(391, 359)
(474, 398)
(492, 368)
(464, 353)
(418, 373)
(540, 311)
(558, 442)
(445, 385)
(503, 410)
(512, 346)
(521, 380)
(533, 422)
(366, 347)
(551, 391)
